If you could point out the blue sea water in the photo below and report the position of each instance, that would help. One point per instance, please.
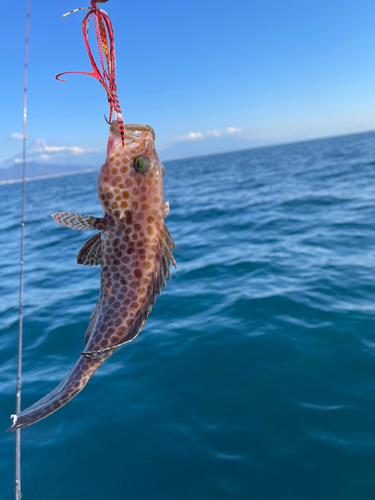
(254, 377)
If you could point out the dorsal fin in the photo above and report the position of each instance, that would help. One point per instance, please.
(166, 259)
(91, 251)
(166, 208)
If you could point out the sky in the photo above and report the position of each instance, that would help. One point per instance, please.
(257, 70)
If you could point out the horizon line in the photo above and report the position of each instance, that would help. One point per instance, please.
(91, 170)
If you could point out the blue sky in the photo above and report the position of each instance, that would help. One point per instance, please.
(262, 70)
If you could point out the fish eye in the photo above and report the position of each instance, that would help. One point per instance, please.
(142, 164)
(162, 170)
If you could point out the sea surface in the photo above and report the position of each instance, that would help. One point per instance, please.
(254, 377)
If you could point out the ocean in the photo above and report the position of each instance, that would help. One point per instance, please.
(254, 377)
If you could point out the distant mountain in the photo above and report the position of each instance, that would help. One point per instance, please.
(44, 159)
(209, 145)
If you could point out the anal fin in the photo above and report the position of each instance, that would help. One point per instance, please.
(91, 251)
(78, 222)
(93, 318)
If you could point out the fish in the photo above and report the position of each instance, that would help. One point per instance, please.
(134, 249)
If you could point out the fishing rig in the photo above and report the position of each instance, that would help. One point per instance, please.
(107, 55)
(107, 77)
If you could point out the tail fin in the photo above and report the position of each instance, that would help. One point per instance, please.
(62, 394)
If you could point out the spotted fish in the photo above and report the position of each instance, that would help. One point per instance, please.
(134, 249)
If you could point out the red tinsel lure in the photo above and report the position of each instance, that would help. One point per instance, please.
(106, 47)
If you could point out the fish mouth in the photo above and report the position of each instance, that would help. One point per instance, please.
(132, 132)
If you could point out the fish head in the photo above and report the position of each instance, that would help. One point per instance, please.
(130, 181)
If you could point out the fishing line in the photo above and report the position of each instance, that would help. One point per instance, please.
(17, 482)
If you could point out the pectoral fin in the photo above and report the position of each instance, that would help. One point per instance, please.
(78, 222)
(91, 251)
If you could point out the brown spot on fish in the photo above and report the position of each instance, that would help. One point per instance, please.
(138, 273)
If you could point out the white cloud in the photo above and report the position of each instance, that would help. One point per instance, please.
(74, 150)
(41, 147)
(192, 136)
(15, 136)
(41, 151)
(232, 130)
